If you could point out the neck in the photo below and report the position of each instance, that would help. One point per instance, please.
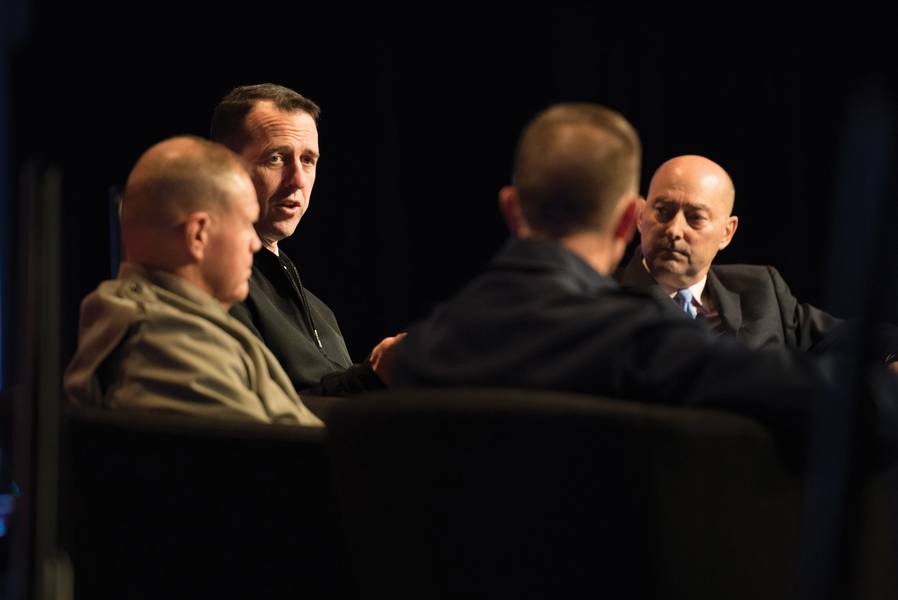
(193, 275)
(271, 247)
(671, 284)
(600, 251)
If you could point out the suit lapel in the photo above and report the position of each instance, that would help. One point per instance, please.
(634, 275)
(729, 306)
(727, 303)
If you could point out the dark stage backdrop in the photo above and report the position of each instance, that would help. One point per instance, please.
(421, 110)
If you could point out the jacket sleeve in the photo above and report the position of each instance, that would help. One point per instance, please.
(804, 325)
(357, 378)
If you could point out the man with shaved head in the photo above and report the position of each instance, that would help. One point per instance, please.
(546, 314)
(687, 219)
(159, 337)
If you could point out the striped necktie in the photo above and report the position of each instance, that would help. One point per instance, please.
(684, 301)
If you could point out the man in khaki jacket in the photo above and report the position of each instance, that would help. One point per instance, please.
(159, 337)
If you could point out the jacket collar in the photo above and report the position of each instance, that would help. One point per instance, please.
(171, 283)
(635, 275)
(550, 255)
(727, 303)
(729, 306)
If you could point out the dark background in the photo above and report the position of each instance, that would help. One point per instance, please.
(421, 109)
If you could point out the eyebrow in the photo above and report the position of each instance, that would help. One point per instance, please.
(277, 150)
(288, 150)
(693, 205)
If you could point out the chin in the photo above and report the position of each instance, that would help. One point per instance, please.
(661, 267)
(286, 231)
(238, 295)
(674, 267)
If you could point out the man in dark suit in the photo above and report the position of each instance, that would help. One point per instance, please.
(686, 220)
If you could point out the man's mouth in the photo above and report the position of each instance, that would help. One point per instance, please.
(286, 206)
(674, 252)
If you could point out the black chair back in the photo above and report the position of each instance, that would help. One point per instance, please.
(460, 493)
(166, 506)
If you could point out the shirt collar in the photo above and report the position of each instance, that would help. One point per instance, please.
(696, 288)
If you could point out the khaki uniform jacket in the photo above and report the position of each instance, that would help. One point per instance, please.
(151, 340)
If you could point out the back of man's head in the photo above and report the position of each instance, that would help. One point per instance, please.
(171, 180)
(574, 163)
(230, 114)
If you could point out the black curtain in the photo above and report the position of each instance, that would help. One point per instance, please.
(421, 110)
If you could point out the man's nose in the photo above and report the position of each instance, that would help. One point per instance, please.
(299, 179)
(674, 228)
(255, 242)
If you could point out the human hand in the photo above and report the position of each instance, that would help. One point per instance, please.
(382, 357)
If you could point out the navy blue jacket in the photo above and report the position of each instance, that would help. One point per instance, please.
(541, 317)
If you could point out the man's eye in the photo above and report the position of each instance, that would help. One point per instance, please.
(665, 213)
(308, 160)
(275, 159)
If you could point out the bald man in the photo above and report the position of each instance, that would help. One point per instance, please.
(547, 315)
(159, 337)
(686, 220)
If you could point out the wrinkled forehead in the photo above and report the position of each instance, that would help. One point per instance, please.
(675, 186)
(267, 124)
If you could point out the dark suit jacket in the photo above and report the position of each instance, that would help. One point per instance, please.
(754, 303)
(541, 317)
(285, 316)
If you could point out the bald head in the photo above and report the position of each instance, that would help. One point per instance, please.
(687, 220)
(188, 209)
(698, 175)
(574, 164)
(178, 176)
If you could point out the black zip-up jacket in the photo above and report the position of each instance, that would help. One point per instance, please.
(300, 330)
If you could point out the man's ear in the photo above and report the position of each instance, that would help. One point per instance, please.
(641, 206)
(196, 234)
(510, 205)
(626, 222)
(728, 232)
